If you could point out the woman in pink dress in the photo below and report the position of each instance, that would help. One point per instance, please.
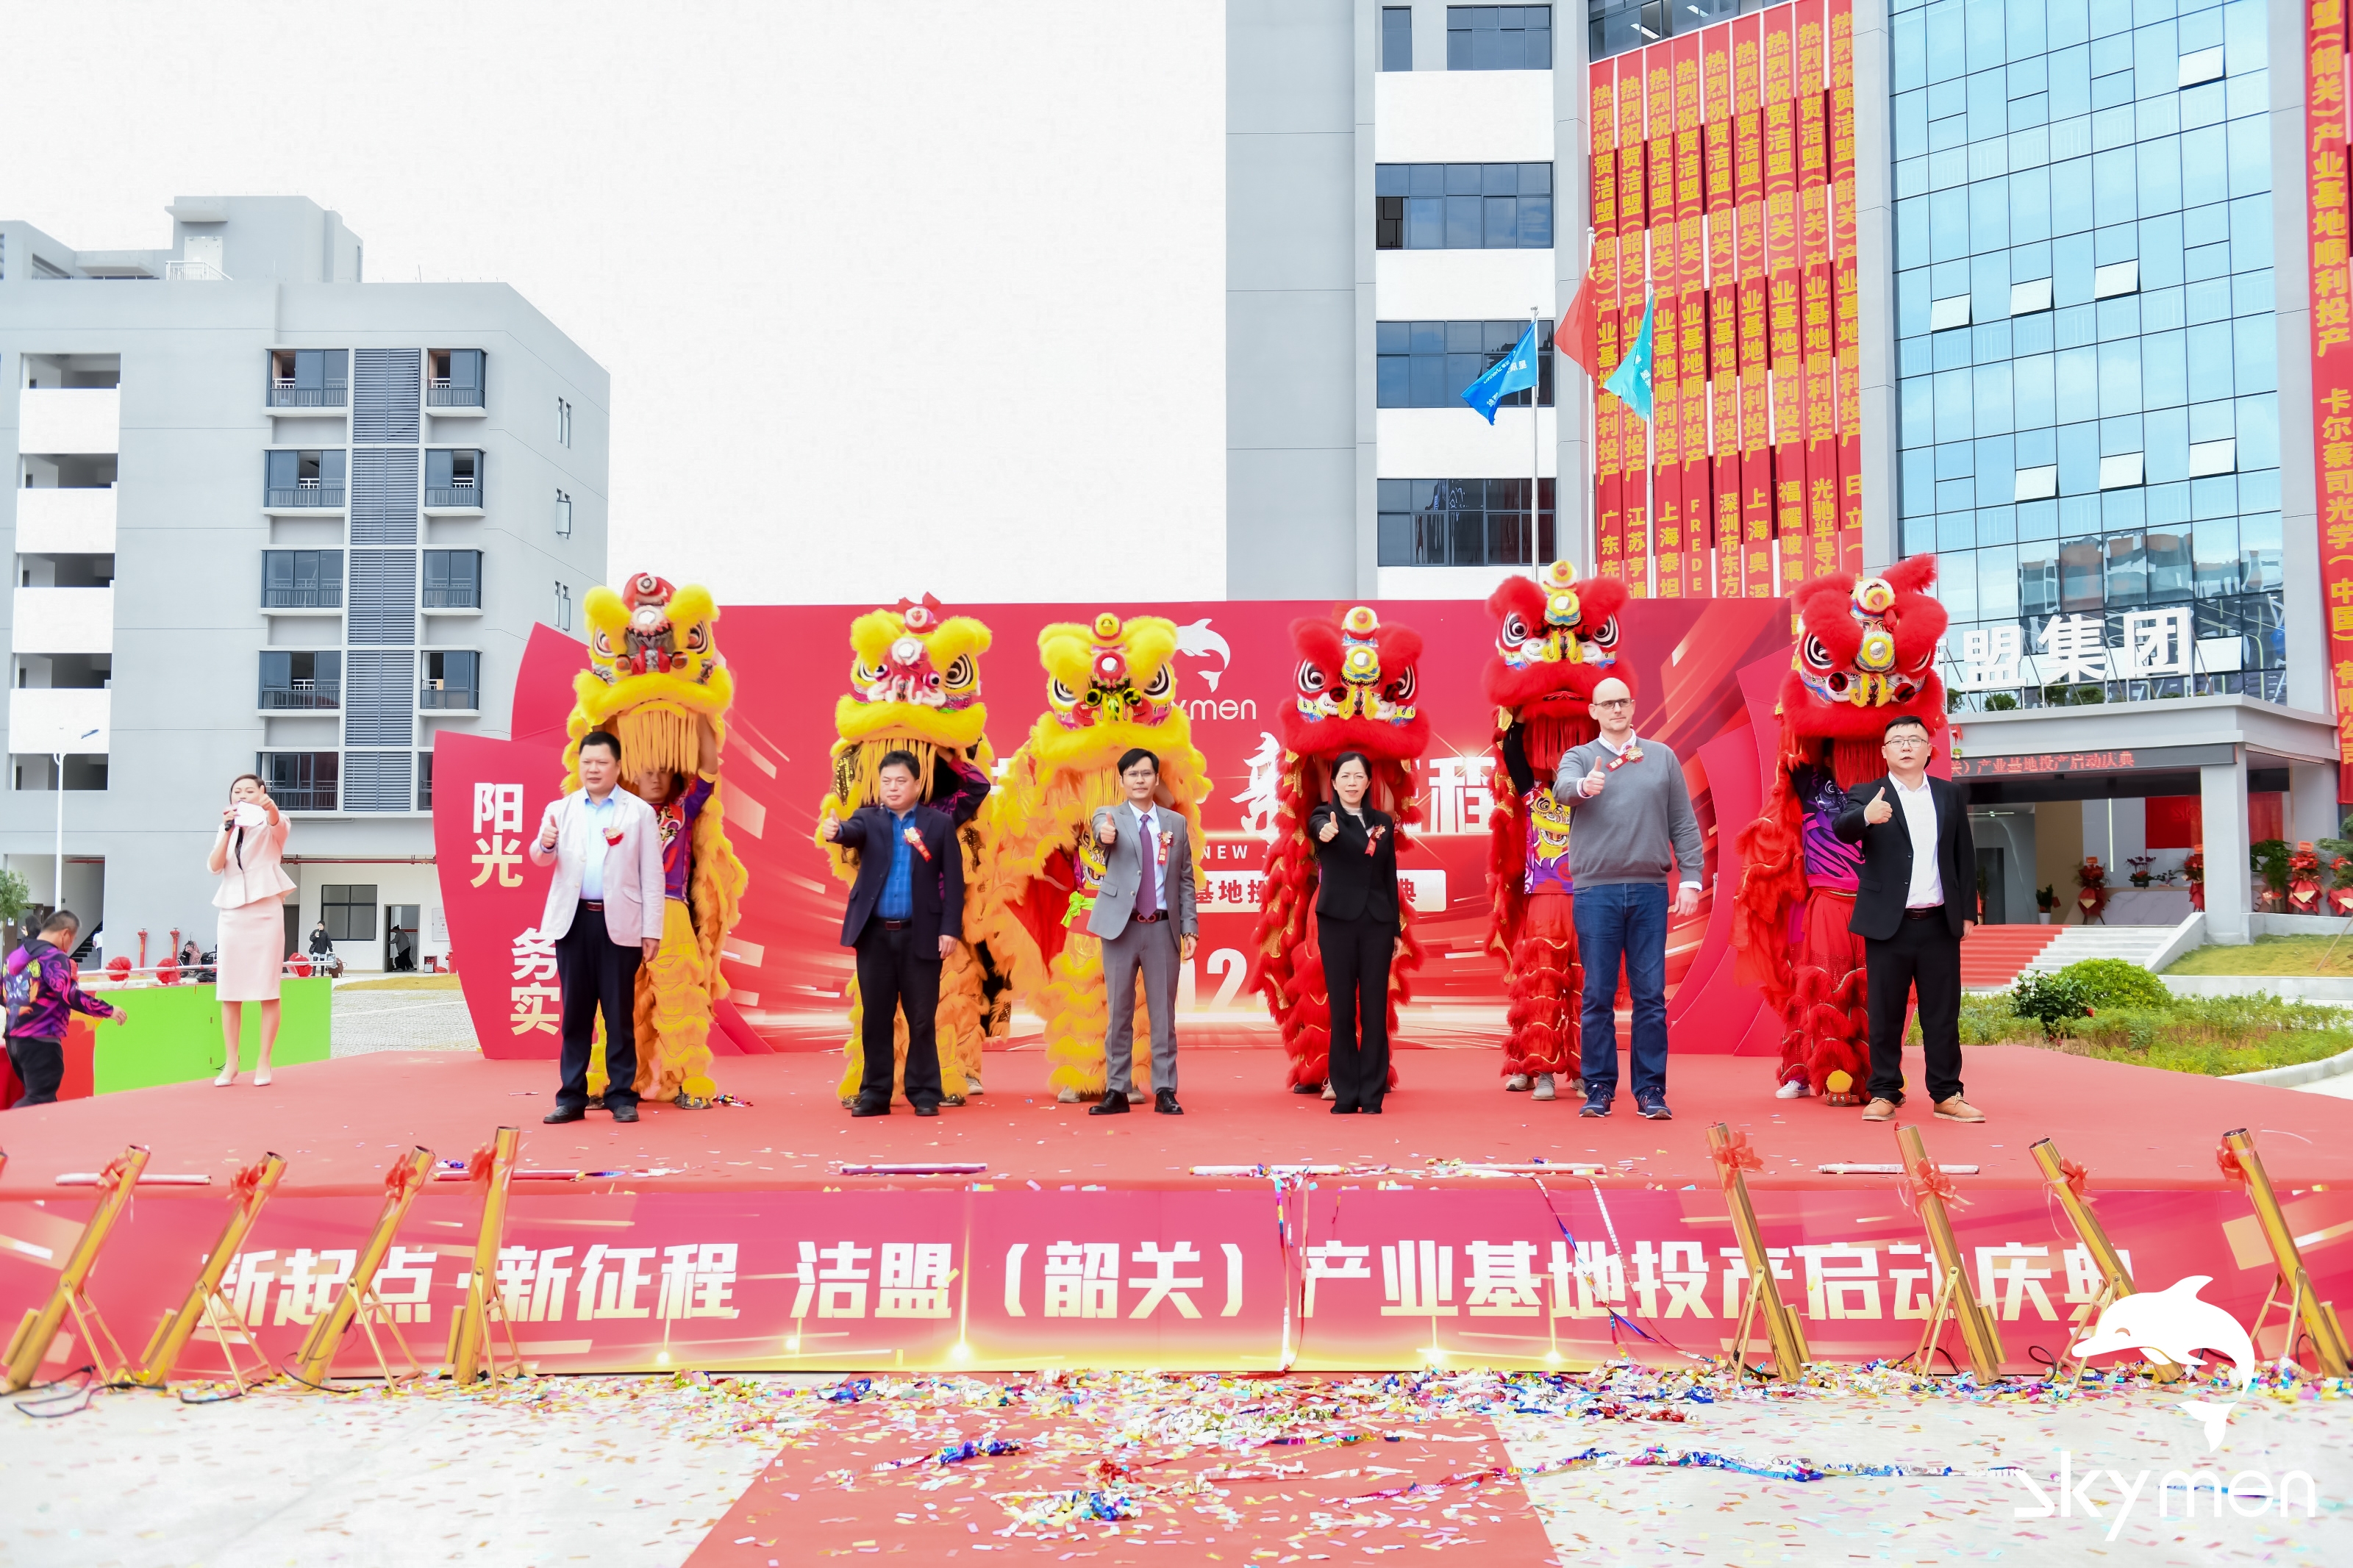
(251, 951)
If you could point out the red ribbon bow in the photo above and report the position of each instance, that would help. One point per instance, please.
(477, 1169)
(1372, 839)
(1929, 1181)
(402, 1180)
(1734, 1157)
(914, 836)
(2227, 1159)
(246, 1183)
(113, 1173)
(2077, 1177)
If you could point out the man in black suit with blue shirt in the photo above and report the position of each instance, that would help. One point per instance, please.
(906, 911)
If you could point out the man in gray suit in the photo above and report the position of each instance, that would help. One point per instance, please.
(1144, 913)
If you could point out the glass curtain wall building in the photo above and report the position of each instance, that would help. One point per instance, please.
(2088, 419)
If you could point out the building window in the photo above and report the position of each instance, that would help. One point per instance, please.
(563, 422)
(1499, 37)
(308, 378)
(303, 579)
(562, 515)
(451, 681)
(349, 909)
(1462, 206)
(424, 781)
(1427, 364)
(457, 378)
(1463, 523)
(453, 479)
(453, 579)
(301, 680)
(301, 781)
(294, 479)
(1397, 37)
(563, 607)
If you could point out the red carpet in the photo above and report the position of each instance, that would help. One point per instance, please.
(340, 1123)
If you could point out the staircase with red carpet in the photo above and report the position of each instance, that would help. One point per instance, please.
(1993, 955)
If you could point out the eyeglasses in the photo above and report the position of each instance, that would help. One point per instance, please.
(1907, 741)
(1614, 702)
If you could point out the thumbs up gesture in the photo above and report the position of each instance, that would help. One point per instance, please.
(1878, 811)
(1329, 830)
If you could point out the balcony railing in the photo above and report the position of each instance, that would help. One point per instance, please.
(462, 492)
(453, 596)
(286, 394)
(441, 394)
(308, 492)
(305, 797)
(445, 695)
(303, 695)
(193, 272)
(302, 596)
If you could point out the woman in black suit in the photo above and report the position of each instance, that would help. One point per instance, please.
(1357, 927)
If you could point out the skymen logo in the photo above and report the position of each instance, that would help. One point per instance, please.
(2176, 1324)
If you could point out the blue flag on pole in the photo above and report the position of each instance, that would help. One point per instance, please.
(1631, 382)
(1505, 377)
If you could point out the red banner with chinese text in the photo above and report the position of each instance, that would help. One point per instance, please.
(2332, 339)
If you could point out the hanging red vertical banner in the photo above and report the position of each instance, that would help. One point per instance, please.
(1691, 290)
(1609, 522)
(1784, 308)
(1633, 431)
(2331, 338)
(1755, 471)
(1848, 346)
(1817, 311)
(1723, 314)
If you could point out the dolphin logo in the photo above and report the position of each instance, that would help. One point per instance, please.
(1200, 641)
(2176, 1324)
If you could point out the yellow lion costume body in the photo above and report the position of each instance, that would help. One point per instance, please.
(1111, 686)
(656, 680)
(914, 686)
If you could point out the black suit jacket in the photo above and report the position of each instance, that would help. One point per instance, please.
(1886, 883)
(1351, 884)
(936, 885)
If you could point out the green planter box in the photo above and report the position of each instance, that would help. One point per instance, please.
(173, 1034)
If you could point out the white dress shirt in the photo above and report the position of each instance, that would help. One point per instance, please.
(1147, 828)
(1920, 818)
(1618, 751)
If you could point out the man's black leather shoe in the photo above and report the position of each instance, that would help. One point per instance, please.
(1164, 1100)
(625, 1113)
(927, 1111)
(865, 1108)
(1113, 1103)
(561, 1114)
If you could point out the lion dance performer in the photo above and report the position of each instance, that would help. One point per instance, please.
(1555, 640)
(1110, 686)
(1355, 693)
(914, 686)
(1866, 655)
(656, 680)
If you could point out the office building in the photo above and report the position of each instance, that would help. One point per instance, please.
(2023, 282)
(270, 516)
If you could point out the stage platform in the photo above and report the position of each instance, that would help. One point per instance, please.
(732, 1237)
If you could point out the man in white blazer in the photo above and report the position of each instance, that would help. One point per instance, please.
(605, 913)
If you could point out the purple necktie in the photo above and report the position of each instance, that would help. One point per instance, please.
(1147, 892)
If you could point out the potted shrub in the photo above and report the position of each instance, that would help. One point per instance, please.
(2092, 878)
(2268, 858)
(2045, 900)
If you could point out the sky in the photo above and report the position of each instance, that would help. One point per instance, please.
(894, 297)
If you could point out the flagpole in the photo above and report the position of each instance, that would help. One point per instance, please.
(1535, 451)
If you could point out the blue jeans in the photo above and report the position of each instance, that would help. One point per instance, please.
(1624, 921)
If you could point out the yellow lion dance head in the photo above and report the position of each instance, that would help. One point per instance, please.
(654, 673)
(1110, 685)
(914, 684)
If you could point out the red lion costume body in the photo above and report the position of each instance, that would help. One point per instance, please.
(1555, 640)
(1866, 655)
(1355, 693)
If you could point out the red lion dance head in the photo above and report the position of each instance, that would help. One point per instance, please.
(1357, 692)
(1866, 654)
(1555, 640)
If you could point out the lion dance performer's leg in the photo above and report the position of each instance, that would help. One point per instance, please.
(1546, 989)
(1073, 1005)
(673, 1013)
(1833, 1023)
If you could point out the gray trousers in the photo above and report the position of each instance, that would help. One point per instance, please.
(1152, 949)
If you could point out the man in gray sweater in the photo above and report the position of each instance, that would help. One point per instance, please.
(1630, 826)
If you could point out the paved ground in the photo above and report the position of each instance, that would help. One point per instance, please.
(367, 1019)
(635, 1472)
